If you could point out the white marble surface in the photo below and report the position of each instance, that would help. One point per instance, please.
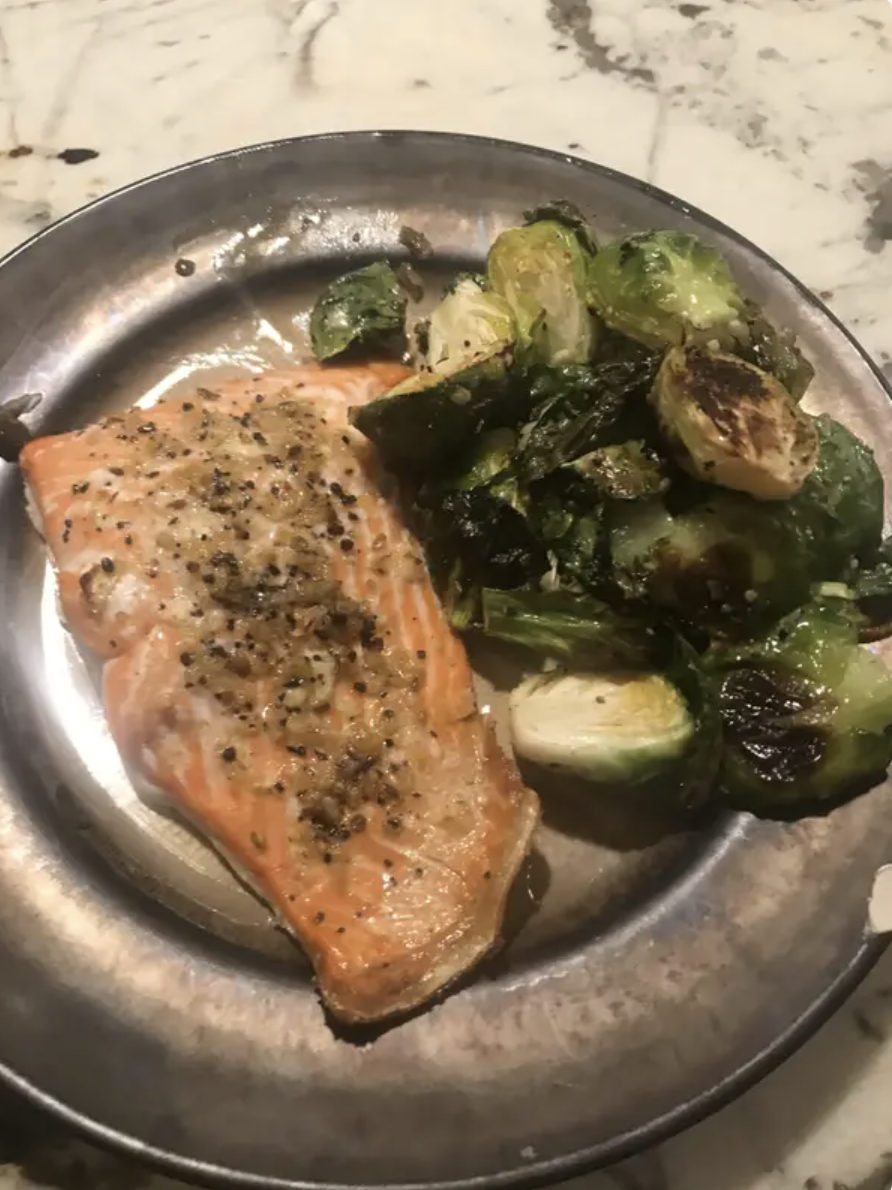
(775, 115)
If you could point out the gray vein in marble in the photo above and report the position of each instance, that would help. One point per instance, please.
(308, 44)
(574, 19)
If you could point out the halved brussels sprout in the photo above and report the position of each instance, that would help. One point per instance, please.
(730, 424)
(541, 272)
(661, 287)
(806, 710)
(365, 308)
(609, 727)
(469, 322)
(718, 566)
(625, 726)
(427, 419)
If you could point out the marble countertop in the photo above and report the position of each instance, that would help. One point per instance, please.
(774, 115)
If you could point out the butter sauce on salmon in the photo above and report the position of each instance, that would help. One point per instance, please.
(276, 661)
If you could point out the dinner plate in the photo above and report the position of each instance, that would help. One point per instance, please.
(650, 971)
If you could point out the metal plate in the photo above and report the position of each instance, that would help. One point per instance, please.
(651, 972)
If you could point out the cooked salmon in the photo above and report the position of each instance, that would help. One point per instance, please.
(277, 663)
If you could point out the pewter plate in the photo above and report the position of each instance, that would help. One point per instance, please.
(651, 972)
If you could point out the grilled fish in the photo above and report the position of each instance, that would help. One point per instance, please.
(277, 663)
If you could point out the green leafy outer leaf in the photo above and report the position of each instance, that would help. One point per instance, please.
(774, 350)
(566, 213)
(364, 308)
(427, 421)
(574, 629)
(626, 471)
(541, 271)
(564, 518)
(578, 408)
(840, 506)
(806, 711)
(873, 595)
(662, 286)
(474, 539)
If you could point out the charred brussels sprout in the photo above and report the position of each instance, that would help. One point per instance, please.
(806, 713)
(718, 566)
(426, 420)
(627, 471)
(541, 272)
(624, 727)
(468, 323)
(731, 424)
(364, 309)
(661, 287)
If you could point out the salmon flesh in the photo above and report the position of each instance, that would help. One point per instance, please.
(277, 663)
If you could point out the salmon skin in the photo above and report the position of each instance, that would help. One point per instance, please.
(277, 663)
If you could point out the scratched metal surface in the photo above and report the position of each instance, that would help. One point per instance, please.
(651, 971)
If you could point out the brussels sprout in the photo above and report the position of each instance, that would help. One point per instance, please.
(774, 350)
(627, 471)
(624, 727)
(541, 271)
(560, 210)
(366, 308)
(806, 712)
(731, 424)
(468, 323)
(489, 458)
(576, 409)
(573, 629)
(660, 287)
(717, 566)
(426, 420)
(873, 595)
(841, 502)
(563, 517)
(474, 539)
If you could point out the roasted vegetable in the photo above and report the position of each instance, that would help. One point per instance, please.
(428, 419)
(731, 424)
(624, 727)
(774, 350)
(663, 287)
(627, 471)
(559, 210)
(468, 323)
(578, 408)
(366, 308)
(806, 712)
(718, 566)
(541, 271)
(572, 528)
(475, 539)
(873, 595)
(841, 502)
(574, 629)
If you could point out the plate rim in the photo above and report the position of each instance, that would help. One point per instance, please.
(686, 1114)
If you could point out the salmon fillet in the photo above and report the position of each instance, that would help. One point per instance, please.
(276, 661)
